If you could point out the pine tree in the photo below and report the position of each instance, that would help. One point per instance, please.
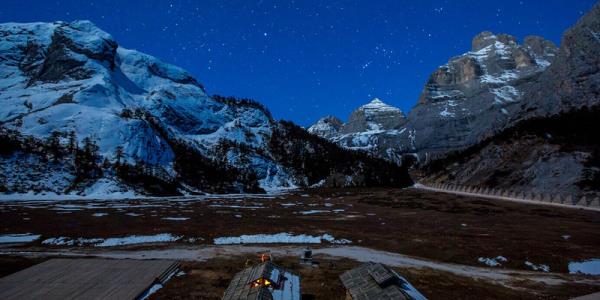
(118, 155)
(54, 146)
(86, 159)
(72, 141)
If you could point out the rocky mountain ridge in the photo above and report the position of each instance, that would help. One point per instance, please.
(551, 144)
(474, 111)
(370, 128)
(465, 100)
(71, 83)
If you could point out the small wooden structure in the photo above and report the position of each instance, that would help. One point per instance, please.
(377, 281)
(87, 279)
(307, 259)
(264, 281)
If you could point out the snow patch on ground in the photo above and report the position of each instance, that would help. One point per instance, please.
(278, 238)
(235, 206)
(66, 241)
(588, 267)
(139, 239)
(540, 267)
(110, 242)
(492, 262)
(176, 218)
(314, 211)
(18, 238)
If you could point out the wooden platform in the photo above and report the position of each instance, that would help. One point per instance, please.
(86, 279)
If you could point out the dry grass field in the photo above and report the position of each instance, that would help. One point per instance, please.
(446, 229)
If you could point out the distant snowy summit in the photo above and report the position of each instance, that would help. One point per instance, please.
(374, 116)
(365, 128)
(114, 120)
(469, 98)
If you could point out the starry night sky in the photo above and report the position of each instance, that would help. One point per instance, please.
(305, 59)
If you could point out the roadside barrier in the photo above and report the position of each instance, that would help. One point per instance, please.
(587, 200)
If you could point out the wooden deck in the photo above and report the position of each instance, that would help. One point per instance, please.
(86, 279)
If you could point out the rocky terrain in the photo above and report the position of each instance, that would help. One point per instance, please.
(505, 115)
(80, 114)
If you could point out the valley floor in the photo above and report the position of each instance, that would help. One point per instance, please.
(443, 244)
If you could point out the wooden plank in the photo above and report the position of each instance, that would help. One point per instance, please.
(84, 279)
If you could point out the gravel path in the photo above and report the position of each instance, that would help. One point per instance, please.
(506, 277)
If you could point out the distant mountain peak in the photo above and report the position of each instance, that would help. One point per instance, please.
(326, 126)
(376, 101)
(377, 105)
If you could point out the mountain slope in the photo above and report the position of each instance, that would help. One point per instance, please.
(551, 144)
(510, 115)
(474, 95)
(73, 80)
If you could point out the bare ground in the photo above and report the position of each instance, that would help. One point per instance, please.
(428, 226)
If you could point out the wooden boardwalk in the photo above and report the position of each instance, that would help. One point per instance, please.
(86, 279)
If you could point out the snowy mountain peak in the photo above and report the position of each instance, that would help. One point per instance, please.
(376, 101)
(376, 105)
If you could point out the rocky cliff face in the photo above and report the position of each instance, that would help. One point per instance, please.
(549, 144)
(470, 98)
(474, 95)
(496, 115)
(64, 80)
(573, 80)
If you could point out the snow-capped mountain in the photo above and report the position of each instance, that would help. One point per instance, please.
(72, 79)
(467, 99)
(374, 116)
(508, 115)
(550, 144)
(370, 128)
(474, 95)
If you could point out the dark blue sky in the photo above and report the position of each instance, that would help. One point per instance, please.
(304, 59)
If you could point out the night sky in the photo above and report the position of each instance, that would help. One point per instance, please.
(304, 59)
